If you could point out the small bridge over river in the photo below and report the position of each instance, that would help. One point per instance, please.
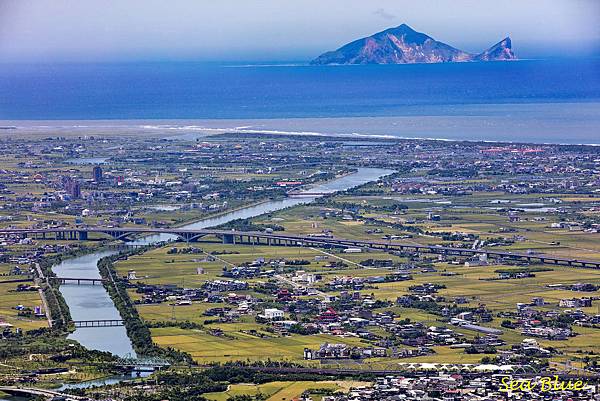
(80, 324)
(308, 194)
(77, 280)
(274, 239)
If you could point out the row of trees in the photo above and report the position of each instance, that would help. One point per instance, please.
(137, 330)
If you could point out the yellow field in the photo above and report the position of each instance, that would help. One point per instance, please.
(282, 391)
(205, 347)
(473, 283)
(9, 298)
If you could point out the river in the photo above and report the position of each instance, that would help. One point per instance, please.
(87, 302)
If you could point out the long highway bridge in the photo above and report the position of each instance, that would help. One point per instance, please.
(40, 392)
(127, 234)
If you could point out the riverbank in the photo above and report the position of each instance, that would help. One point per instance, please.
(95, 302)
(256, 204)
(137, 330)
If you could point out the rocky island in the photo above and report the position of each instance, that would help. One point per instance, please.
(404, 45)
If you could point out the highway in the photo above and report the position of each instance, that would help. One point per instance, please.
(38, 392)
(270, 238)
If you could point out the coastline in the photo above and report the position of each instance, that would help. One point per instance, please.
(502, 123)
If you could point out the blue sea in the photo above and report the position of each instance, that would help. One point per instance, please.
(543, 101)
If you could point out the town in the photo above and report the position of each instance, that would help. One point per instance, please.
(394, 269)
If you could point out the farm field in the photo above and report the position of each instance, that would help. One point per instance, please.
(283, 391)
(475, 284)
(235, 345)
(405, 218)
(10, 299)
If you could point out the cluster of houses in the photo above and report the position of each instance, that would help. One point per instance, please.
(425, 288)
(550, 333)
(584, 302)
(579, 287)
(225, 285)
(360, 283)
(441, 384)
(349, 313)
(515, 275)
(155, 294)
(343, 351)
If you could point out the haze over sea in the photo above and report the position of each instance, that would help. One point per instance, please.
(541, 101)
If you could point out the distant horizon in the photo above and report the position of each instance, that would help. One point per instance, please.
(35, 31)
(283, 62)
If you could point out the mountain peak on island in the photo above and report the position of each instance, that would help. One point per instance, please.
(404, 45)
(500, 51)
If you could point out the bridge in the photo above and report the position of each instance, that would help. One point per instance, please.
(39, 392)
(131, 363)
(274, 239)
(80, 324)
(79, 281)
(308, 193)
(145, 364)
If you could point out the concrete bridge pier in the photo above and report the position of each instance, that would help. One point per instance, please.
(229, 239)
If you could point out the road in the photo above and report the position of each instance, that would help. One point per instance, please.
(42, 278)
(267, 238)
(31, 391)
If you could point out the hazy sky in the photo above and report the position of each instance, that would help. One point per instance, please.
(246, 30)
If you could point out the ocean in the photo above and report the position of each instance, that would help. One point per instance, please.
(542, 101)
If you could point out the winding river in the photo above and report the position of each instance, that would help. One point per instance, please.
(87, 302)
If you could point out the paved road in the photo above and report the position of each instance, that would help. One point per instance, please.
(31, 391)
(41, 278)
(229, 236)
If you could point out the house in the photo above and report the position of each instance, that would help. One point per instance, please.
(284, 295)
(575, 302)
(285, 324)
(434, 217)
(551, 333)
(584, 287)
(330, 315)
(537, 301)
(465, 316)
(272, 314)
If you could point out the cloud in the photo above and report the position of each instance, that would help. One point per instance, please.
(384, 14)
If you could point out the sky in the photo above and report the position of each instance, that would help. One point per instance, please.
(281, 30)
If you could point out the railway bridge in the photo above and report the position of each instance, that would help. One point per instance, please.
(283, 239)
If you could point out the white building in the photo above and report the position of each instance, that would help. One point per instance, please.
(273, 314)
